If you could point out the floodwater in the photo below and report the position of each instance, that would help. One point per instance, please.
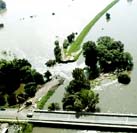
(30, 30)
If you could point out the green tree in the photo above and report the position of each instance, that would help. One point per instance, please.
(77, 85)
(126, 61)
(89, 100)
(105, 41)
(78, 74)
(2, 100)
(47, 75)
(71, 37)
(90, 53)
(57, 52)
(124, 78)
(53, 106)
(68, 101)
(107, 16)
(12, 99)
(30, 89)
(50, 63)
(65, 44)
(38, 78)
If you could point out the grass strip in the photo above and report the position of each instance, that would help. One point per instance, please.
(44, 99)
(75, 46)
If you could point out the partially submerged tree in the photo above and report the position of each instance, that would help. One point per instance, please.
(53, 106)
(50, 63)
(47, 75)
(57, 52)
(124, 78)
(73, 99)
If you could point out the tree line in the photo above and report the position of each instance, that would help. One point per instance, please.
(13, 73)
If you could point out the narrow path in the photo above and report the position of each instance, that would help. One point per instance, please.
(42, 92)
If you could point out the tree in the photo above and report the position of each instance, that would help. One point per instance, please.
(124, 78)
(47, 75)
(65, 44)
(26, 74)
(78, 74)
(78, 106)
(30, 89)
(90, 53)
(71, 37)
(38, 78)
(56, 43)
(68, 101)
(107, 16)
(117, 45)
(77, 85)
(57, 53)
(12, 99)
(53, 106)
(2, 100)
(105, 41)
(126, 61)
(89, 100)
(50, 63)
(84, 100)
(2, 4)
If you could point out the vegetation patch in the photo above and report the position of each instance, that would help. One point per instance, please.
(124, 78)
(18, 81)
(44, 99)
(27, 128)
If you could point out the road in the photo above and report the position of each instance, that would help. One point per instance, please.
(117, 120)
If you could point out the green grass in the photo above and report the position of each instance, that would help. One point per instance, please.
(75, 46)
(44, 99)
(27, 128)
(20, 90)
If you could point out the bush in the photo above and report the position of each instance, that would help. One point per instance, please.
(50, 63)
(124, 78)
(53, 106)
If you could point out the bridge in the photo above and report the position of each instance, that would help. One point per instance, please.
(73, 120)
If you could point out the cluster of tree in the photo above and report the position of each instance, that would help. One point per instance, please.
(15, 72)
(107, 55)
(2, 4)
(57, 50)
(79, 96)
